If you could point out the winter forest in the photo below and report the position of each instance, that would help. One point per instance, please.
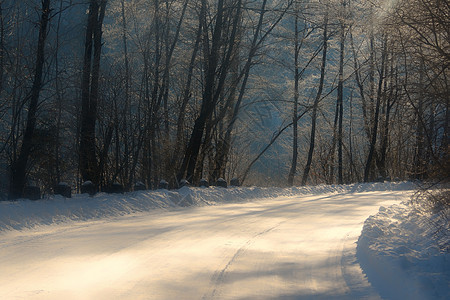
(269, 92)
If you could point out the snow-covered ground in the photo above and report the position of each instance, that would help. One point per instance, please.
(236, 243)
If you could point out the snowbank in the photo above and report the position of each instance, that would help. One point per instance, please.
(17, 215)
(400, 256)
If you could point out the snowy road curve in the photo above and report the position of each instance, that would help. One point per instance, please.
(276, 248)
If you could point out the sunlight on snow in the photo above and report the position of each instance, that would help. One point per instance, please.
(270, 248)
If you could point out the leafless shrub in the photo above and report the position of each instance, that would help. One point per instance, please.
(434, 200)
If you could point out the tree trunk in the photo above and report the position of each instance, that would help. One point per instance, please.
(389, 102)
(90, 83)
(126, 112)
(19, 166)
(420, 163)
(293, 169)
(59, 101)
(185, 98)
(169, 53)
(316, 102)
(374, 130)
(2, 46)
(332, 152)
(341, 101)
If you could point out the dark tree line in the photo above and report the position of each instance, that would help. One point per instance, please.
(121, 91)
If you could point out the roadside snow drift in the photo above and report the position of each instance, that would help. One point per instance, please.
(57, 209)
(398, 251)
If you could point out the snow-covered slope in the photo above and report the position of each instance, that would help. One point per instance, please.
(56, 209)
(398, 252)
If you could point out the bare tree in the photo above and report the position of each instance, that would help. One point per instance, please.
(293, 169)
(89, 166)
(374, 130)
(215, 76)
(19, 166)
(317, 100)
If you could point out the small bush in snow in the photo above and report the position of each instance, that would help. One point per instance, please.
(32, 192)
(183, 182)
(203, 183)
(139, 186)
(88, 188)
(435, 200)
(221, 182)
(115, 188)
(235, 182)
(163, 185)
(63, 189)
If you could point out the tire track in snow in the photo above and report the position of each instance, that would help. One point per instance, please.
(356, 283)
(218, 277)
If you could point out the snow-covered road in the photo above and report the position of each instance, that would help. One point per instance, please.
(298, 247)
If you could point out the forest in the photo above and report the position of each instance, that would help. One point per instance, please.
(268, 92)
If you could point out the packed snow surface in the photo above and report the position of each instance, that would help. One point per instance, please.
(236, 243)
